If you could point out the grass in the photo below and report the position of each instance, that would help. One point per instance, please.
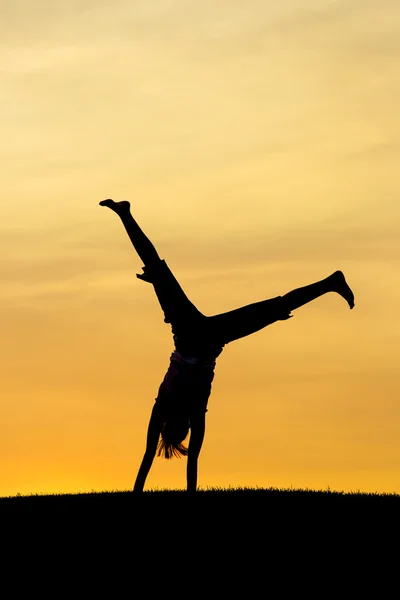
(246, 511)
(226, 537)
(212, 499)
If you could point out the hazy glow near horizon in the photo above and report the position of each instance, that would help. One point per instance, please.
(258, 143)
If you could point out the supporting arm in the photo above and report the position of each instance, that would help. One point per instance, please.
(197, 431)
(153, 435)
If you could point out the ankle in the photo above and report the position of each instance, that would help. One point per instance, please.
(333, 281)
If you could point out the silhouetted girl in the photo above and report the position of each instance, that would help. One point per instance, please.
(181, 403)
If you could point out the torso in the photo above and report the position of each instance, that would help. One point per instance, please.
(186, 387)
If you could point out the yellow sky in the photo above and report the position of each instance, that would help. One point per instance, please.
(258, 142)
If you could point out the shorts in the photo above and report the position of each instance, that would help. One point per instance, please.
(178, 309)
(204, 337)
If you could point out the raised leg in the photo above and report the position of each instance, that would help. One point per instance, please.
(244, 321)
(334, 283)
(173, 300)
(140, 241)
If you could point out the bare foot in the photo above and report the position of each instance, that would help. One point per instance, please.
(118, 207)
(342, 288)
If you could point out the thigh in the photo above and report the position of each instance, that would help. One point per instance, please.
(175, 304)
(246, 320)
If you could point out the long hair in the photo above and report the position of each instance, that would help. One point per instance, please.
(173, 434)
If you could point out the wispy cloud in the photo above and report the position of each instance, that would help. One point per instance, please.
(48, 263)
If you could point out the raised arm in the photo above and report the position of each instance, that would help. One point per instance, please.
(197, 430)
(153, 435)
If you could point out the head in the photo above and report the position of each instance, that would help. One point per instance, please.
(174, 432)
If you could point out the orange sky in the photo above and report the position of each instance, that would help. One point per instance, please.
(259, 144)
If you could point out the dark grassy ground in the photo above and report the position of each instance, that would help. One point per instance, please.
(219, 506)
(210, 499)
(208, 495)
(223, 521)
(257, 498)
(237, 541)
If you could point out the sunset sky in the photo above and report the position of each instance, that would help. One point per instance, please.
(259, 144)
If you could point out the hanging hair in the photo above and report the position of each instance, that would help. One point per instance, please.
(174, 432)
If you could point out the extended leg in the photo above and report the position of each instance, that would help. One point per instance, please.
(140, 241)
(249, 319)
(173, 300)
(334, 283)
